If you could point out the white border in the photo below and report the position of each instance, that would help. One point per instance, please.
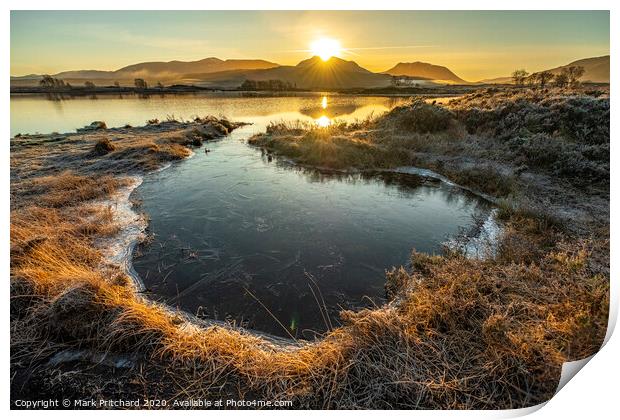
(592, 394)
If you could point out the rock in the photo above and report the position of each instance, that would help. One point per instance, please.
(204, 132)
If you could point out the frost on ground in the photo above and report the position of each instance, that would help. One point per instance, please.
(482, 243)
(117, 250)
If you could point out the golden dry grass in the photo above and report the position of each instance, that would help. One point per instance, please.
(463, 334)
(458, 333)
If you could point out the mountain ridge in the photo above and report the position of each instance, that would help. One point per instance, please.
(313, 72)
(161, 69)
(425, 71)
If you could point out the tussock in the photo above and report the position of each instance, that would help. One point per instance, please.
(104, 146)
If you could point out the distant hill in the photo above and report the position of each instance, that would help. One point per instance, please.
(495, 81)
(596, 71)
(334, 73)
(170, 71)
(425, 71)
(179, 68)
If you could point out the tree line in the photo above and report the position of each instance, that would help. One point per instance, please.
(56, 85)
(267, 85)
(567, 77)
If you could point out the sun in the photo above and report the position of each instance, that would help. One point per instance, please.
(325, 48)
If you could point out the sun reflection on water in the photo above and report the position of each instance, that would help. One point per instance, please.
(323, 120)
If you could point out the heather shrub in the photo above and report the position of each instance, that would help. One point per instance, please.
(420, 117)
(583, 118)
(565, 135)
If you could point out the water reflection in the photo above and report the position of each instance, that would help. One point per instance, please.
(65, 114)
(323, 121)
(405, 184)
(323, 113)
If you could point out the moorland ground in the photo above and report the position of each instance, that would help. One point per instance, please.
(456, 333)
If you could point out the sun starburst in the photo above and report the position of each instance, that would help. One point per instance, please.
(326, 48)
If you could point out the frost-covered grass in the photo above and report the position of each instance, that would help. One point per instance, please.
(563, 133)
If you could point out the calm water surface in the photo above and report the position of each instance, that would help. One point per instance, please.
(35, 114)
(242, 237)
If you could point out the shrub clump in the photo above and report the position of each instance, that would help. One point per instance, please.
(505, 114)
(583, 163)
(94, 126)
(561, 133)
(104, 146)
(322, 148)
(420, 117)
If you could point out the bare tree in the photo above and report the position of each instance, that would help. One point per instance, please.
(531, 80)
(561, 80)
(140, 84)
(51, 83)
(573, 74)
(543, 78)
(47, 81)
(519, 77)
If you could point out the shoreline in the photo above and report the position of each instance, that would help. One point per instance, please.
(236, 93)
(119, 249)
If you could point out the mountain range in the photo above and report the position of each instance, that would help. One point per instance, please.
(162, 71)
(335, 73)
(314, 72)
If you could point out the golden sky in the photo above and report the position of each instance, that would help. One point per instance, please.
(473, 44)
